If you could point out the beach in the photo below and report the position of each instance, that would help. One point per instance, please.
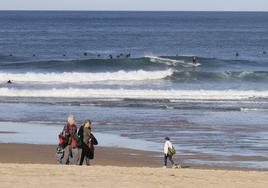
(195, 77)
(32, 176)
(45, 154)
(140, 85)
(35, 166)
(116, 156)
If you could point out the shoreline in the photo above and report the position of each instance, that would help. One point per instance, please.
(104, 156)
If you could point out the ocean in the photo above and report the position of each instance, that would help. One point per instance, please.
(132, 73)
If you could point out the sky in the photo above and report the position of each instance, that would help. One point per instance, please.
(164, 5)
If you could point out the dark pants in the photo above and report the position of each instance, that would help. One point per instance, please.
(168, 157)
(85, 155)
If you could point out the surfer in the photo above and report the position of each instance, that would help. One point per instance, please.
(128, 55)
(9, 82)
(98, 55)
(237, 54)
(85, 54)
(264, 52)
(110, 56)
(33, 55)
(194, 60)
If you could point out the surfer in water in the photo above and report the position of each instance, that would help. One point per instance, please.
(194, 60)
(9, 82)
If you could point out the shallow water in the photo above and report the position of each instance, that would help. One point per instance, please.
(145, 129)
(34, 133)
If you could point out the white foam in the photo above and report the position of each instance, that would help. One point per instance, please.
(253, 109)
(136, 94)
(172, 62)
(76, 77)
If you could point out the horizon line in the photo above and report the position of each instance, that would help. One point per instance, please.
(73, 10)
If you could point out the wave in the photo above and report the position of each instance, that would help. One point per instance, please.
(137, 94)
(253, 109)
(83, 65)
(139, 75)
(76, 77)
(219, 76)
(144, 68)
(145, 63)
(172, 62)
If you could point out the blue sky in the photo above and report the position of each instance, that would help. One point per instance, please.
(195, 5)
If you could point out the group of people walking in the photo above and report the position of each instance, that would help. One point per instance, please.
(76, 146)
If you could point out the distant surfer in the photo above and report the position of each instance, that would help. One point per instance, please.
(128, 55)
(264, 52)
(63, 55)
(194, 60)
(98, 55)
(9, 82)
(10, 55)
(33, 55)
(110, 56)
(228, 73)
(85, 54)
(237, 54)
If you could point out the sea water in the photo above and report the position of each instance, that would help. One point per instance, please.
(60, 63)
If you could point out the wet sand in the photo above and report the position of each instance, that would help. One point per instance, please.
(45, 154)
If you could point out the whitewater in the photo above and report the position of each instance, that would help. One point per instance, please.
(136, 94)
(76, 77)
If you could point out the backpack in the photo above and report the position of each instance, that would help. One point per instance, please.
(61, 139)
(171, 151)
(59, 154)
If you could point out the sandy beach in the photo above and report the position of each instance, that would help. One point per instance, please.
(36, 175)
(35, 166)
(45, 154)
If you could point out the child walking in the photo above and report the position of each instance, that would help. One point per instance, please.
(169, 151)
